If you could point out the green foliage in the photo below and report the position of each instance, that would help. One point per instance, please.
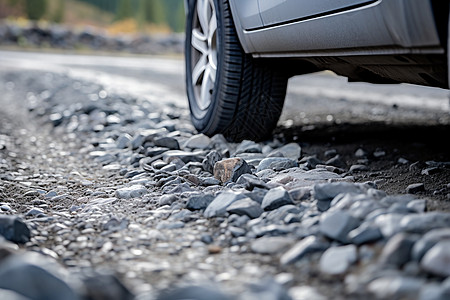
(169, 12)
(58, 14)
(160, 12)
(155, 12)
(124, 10)
(35, 9)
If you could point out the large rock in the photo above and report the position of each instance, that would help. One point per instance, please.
(14, 229)
(231, 169)
(430, 239)
(437, 260)
(37, 277)
(96, 282)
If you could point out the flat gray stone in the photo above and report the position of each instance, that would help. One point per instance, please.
(271, 244)
(194, 292)
(297, 178)
(167, 199)
(218, 207)
(131, 192)
(389, 224)
(421, 223)
(246, 207)
(250, 182)
(167, 142)
(185, 156)
(366, 233)
(247, 146)
(415, 188)
(34, 212)
(278, 215)
(311, 162)
(417, 206)
(276, 163)
(199, 141)
(327, 191)
(337, 224)
(123, 141)
(395, 287)
(336, 161)
(291, 150)
(306, 246)
(170, 225)
(437, 260)
(197, 202)
(337, 260)
(397, 250)
(11, 295)
(430, 239)
(305, 293)
(276, 198)
(358, 168)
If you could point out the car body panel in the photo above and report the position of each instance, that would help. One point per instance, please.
(384, 26)
(249, 15)
(281, 11)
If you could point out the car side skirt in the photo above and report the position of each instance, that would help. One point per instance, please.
(383, 27)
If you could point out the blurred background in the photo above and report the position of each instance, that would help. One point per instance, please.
(138, 26)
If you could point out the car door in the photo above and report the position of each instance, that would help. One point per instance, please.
(282, 11)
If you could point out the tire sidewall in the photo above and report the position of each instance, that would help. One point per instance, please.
(448, 51)
(202, 119)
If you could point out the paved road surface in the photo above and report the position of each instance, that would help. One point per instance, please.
(310, 97)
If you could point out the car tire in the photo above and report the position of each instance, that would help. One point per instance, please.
(229, 91)
(448, 52)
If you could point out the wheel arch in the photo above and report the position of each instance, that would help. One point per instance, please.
(237, 19)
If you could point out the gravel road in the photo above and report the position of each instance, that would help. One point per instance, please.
(107, 191)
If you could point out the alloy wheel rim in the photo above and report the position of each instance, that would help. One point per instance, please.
(204, 52)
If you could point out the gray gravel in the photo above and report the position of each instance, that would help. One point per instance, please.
(102, 190)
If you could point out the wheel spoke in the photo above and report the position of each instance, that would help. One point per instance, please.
(199, 41)
(212, 70)
(205, 96)
(212, 27)
(203, 15)
(198, 70)
(204, 59)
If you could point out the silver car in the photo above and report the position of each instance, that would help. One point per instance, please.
(240, 53)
